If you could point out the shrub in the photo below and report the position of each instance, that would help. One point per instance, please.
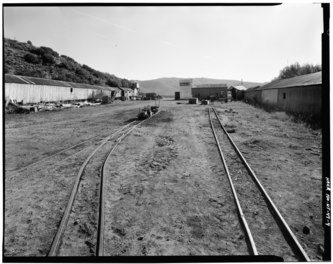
(30, 58)
(48, 59)
(296, 69)
(280, 116)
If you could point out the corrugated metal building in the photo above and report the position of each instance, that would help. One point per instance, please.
(208, 91)
(237, 91)
(126, 93)
(300, 94)
(34, 90)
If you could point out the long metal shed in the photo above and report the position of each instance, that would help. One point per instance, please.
(300, 94)
(205, 91)
(34, 90)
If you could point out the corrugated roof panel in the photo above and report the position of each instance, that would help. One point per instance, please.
(240, 87)
(9, 78)
(13, 79)
(224, 85)
(303, 80)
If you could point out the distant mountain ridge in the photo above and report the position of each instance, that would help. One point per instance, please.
(170, 85)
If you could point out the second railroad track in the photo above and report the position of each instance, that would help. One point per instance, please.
(266, 230)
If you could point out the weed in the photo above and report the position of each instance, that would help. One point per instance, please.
(282, 116)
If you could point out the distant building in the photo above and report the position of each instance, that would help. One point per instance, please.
(126, 93)
(210, 91)
(237, 92)
(185, 86)
(149, 96)
(135, 91)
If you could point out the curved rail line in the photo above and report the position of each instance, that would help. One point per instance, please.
(100, 234)
(57, 239)
(16, 171)
(291, 238)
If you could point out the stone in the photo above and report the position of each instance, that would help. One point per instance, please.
(306, 230)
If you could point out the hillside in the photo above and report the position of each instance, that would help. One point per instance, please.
(27, 60)
(168, 86)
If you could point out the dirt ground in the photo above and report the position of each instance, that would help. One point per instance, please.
(167, 192)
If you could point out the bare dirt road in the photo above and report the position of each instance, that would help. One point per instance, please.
(166, 188)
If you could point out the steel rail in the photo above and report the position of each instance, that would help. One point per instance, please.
(100, 234)
(285, 226)
(239, 208)
(14, 172)
(56, 241)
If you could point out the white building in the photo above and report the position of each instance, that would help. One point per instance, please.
(35, 90)
(185, 88)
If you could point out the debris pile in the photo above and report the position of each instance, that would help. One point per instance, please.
(14, 107)
(147, 111)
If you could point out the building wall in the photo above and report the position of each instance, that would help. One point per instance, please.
(185, 87)
(209, 91)
(304, 99)
(135, 92)
(237, 94)
(269, 96)
(31, 93)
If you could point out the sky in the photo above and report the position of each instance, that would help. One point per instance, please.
(252, 43)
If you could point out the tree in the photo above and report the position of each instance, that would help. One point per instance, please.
(29, 42)
(30, 58)
(48, 59)
(296, 69)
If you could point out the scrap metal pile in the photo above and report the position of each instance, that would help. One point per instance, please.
(14, 107)
(147, 111)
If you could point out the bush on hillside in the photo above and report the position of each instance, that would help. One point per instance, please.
(48, 59)
(31, 58)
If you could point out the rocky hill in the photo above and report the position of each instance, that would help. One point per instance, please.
(27, 60)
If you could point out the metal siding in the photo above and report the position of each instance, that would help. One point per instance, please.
(306, 99)
(36, 93)
(185, 92)
(206, 92)
(269, 96)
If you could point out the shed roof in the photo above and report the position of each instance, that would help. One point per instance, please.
(9, 78)
(219, 85)
(303, 80)
(239, 87)
(126, 89)
(253, 88)
(14, 79)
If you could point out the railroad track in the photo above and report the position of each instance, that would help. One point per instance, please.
(66, 153)
(267, 233)
(82, 224)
